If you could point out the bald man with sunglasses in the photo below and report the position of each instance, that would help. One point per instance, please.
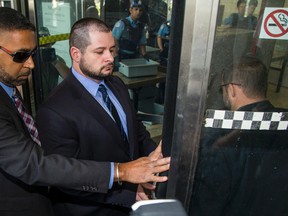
(25, 172)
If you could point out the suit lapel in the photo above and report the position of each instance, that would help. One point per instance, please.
(89, 103)
(126, 105)
(7, 101)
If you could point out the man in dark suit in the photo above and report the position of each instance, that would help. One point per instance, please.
(243, 171)
(22, 161)
(75, 121)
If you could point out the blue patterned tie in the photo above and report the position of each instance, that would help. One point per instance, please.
(112, 109)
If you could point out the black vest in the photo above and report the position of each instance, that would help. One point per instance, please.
(130, 37)
(237, 23)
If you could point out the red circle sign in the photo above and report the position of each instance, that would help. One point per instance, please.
(276, 23)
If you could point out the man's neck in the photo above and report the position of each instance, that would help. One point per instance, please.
(133, 19)
(247, 102)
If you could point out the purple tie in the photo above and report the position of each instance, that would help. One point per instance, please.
(28, 120)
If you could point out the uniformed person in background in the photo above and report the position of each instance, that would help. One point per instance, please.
(252, 20)
(237, 20)
(163, 41)
(131, 34)
(163, 44)
(241, 19)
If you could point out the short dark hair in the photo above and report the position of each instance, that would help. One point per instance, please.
(79, 35)
(250, 73)
(11, 20)
(240, 2)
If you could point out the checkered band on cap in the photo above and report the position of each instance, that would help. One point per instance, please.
(135, 3)
(246, 120)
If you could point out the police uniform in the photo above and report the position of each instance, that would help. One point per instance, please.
(237, 21)
(164, 33)
(130, 35)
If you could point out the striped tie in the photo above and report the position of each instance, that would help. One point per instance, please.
(28, 120)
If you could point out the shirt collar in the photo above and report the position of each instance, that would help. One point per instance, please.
(9, 90)
(90, 85)
(132, 21)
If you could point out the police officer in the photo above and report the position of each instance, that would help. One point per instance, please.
(130, 33)
(163, 44)
(163, 41)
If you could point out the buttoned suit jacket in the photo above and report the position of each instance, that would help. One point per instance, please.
(71, 122)
(22, 164)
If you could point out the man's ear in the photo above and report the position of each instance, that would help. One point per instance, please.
(231, 90)
(75, 54)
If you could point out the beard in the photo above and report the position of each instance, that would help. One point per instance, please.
(8, 80)
(94, 73)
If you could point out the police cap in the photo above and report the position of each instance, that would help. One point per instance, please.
(136, 3)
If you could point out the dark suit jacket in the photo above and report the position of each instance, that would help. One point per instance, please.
(242, 172)
(22, 164)
(71, 122)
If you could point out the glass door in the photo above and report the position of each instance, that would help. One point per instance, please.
(226, 152)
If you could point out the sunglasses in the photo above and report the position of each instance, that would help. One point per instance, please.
(20, 56)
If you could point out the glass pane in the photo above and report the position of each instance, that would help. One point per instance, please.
(55, 19)
(242, 167)
(6, 3)
(136, 29)
(54, 23)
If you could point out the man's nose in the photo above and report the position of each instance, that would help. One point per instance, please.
(110, 56)
(29, 63)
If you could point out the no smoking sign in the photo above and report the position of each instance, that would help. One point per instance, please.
(275, 24)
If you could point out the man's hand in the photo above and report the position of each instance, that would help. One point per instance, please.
(144, 169)
(159, 155)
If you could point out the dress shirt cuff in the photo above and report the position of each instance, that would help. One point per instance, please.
(112, 175)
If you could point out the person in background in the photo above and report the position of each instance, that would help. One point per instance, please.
(25, 172)
(90, 116)
(243, 171)
(237, 20)
(90, 9)
(130, 33)
(163, 41)
(252, 20)
(163, 37)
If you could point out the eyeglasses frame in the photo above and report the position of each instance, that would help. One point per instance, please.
(226, 84)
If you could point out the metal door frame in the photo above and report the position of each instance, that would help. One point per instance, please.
(195, 59)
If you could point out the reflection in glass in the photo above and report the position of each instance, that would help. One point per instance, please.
(244, 18)
(53, 67)
(243, 155)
